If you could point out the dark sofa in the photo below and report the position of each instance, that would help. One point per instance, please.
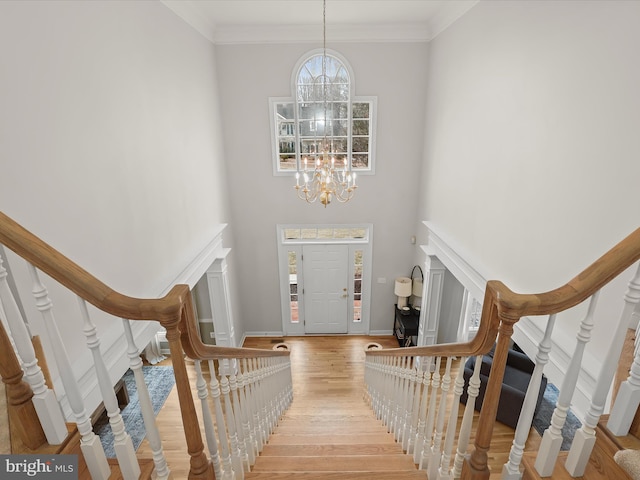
(517, 375)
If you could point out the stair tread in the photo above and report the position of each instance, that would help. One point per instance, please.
(330, 438)
(340, 463)
(331, 450)
(146, 469)
(404, 475)
(600, 467)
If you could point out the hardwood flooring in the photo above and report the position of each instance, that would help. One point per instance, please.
(328, 376)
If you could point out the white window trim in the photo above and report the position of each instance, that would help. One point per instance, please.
(372, 100)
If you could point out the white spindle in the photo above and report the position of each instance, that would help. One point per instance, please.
(628, 397)
(436, 453)
(207, 420)
(162, 471)
(90, 444)
(422, 417)
(552, 438)
(236, 456)
(511, 469)
(473, 390)
(445, 473)
(585, 437)
(122, 443)
(412, 412)
(403, 418)
(235, 401)
(256, 435)
(44, 399)
(245, 412)
(225, 455)
(418, 375)
(431, 415)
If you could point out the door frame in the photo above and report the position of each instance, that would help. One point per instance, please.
(294, 245)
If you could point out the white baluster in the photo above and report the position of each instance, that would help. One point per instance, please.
(403, 412)
(436, 453)
(235, 400)
(256, 436)
(431, 415)
(236, 457)
(225, 455)
(445, 473)
(422, 417)
(257, 405)
(511, 469)
(415, 410)
(162, 471)
(245, 410)
(552, 438)
(585, 437)
(207, 420)
(409, 427)
(90, 444)
(467, 418)
(44, 399)
(628, 397)
(122, 443)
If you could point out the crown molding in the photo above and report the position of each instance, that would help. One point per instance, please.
(192, 14)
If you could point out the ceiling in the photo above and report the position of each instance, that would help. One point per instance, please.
(288, 21)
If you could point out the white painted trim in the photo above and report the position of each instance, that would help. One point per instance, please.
(191, 12)
(527, 333)
(380, 333)
(365, 244)
(197, 267)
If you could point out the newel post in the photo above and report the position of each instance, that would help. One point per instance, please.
(476, 466)
(200, 467)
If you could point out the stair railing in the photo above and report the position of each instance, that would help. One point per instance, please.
(426, 374)
(255, 389)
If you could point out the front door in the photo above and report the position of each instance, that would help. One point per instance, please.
(326, 303)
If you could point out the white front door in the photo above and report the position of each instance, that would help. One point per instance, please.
(326, 298)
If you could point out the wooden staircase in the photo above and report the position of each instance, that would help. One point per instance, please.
(317, 443)
(328, 432)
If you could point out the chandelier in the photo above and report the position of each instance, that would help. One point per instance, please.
(323, 178)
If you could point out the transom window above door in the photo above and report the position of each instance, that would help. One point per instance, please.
(322, 106)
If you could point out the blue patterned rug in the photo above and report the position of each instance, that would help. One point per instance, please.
(542, 420)
(160, 381)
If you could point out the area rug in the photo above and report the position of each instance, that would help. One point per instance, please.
(160, 381)
(542, 419)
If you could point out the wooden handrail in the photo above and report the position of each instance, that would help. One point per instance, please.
(502, 308)
(174, 311)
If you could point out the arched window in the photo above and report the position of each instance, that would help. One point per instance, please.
(323, 107)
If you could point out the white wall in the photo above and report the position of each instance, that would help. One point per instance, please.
(249, 75)
(532, 161)
(110, 140)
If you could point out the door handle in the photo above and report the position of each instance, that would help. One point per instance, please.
(345, 295)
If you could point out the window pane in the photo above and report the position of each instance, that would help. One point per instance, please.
(360, 160)
(357, 286)
(360, 127)
(339, 128)
(325, 233)
(288, 162)
(360, 110)
(291, 233)
(360, 144)
(286, 110)
(293, 287)
(309, 233)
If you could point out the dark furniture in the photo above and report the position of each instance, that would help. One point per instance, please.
(405, 327)
(516, 379)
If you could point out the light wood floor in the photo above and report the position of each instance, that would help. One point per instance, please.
(329, 369)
